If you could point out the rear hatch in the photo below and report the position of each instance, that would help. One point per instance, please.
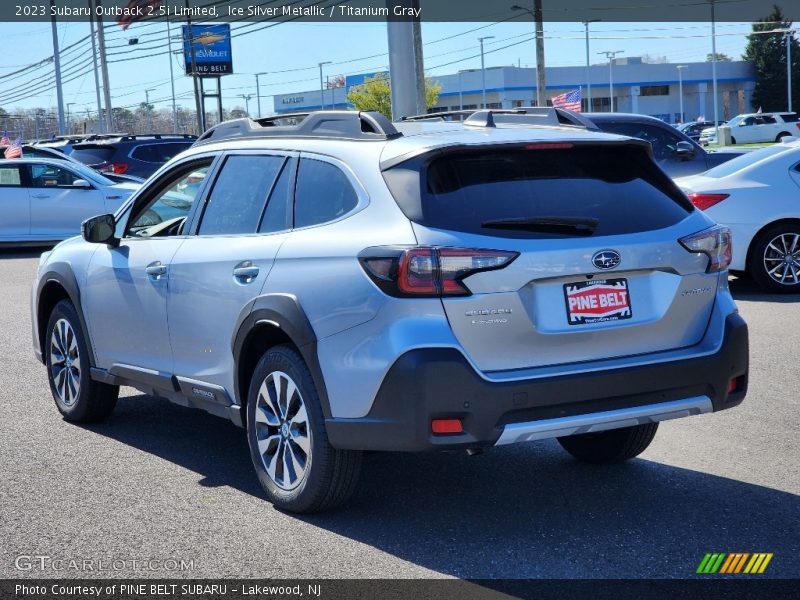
(97, 156)
(599, 271)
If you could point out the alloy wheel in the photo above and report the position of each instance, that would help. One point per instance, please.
(782, 258)
(65, 365)
(282, 430)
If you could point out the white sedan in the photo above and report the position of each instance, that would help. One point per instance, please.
(45, 200)
(757, 195)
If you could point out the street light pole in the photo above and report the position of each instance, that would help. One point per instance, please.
(246, 98)
(321, 87)
(536, 13)
(172, 80)
(680, 88)
(611, 55)
(714, 68)
(258, 93)
(57, 65)
(69, 117)
(588, 65)
(147, 108)
(483, 68)
(788, 36)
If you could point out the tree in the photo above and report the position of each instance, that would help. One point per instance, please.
(767, 52)
(721, 57)
(376, 94)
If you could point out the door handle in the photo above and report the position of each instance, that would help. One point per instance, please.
(41, 195)
(245, 272)
(156, 270)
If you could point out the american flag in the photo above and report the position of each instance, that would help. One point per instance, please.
(569, 100)
(137, 9)
(5, 140)
(15, 149)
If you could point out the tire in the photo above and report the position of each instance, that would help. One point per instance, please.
(733, 140)
(769, 253)
(77, 397)
(612, 446)
(298, 468)
(782, 134)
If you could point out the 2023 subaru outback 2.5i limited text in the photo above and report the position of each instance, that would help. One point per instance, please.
(343, 284)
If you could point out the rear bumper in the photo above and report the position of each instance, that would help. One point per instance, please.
(439, 383)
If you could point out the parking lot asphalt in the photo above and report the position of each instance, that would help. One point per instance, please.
(161, 482)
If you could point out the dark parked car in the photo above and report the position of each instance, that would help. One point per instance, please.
(139, 155)
(675, 153)
(694, 129)
(35, 151)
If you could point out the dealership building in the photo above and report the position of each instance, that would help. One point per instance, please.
(639, 87)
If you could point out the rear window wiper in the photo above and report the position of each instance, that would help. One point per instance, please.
(569, 225)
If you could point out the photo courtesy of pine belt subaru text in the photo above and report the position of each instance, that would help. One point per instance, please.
(335, 283)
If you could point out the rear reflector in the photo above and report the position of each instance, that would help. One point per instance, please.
(440, 426)
(732, 385)
(704, 201)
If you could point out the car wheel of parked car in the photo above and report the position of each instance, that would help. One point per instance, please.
(77, 396)
(613, 446)
(297, 467)
(733, 140)
(782, 134)
(774, 260)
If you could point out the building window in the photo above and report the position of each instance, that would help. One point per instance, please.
(600, 104)
(654, 90)
(470, 106)
(494, 105)
(437, 109)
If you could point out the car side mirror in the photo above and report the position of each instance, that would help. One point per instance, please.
(684, 150)
(100, 230)
(82, 184)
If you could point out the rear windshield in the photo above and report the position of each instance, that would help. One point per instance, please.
(93, 156)
(462, 190)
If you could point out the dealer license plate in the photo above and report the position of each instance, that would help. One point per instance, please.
(597, 301)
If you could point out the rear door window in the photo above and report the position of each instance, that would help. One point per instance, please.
(10, 176)
(323, 193)
(463, 190)
(237, 200)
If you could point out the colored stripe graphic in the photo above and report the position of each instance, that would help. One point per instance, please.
(758, 563)
(710, 563)
(734, 562)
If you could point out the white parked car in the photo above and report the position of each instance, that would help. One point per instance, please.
(757, 195)
(757, 127)
(45, 200)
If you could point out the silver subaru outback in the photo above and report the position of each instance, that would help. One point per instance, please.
(336, 283)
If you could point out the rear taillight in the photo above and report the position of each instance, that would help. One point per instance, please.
(714, 243)
(704, 201)
(118, 168)
(425, 271)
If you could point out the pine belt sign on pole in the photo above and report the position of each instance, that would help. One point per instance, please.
(212, 50)
(207, 54)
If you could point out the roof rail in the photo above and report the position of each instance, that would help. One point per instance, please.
(337, 124)
(524, 115)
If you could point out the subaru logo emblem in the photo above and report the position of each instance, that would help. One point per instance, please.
(606, 259)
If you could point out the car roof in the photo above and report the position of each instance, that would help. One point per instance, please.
(418, 137)
(600, 117)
